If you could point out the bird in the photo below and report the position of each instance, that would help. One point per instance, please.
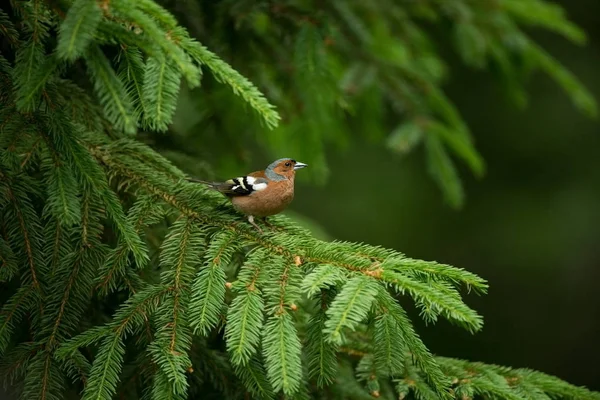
(260, 194)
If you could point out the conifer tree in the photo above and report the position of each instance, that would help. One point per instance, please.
(120, 279)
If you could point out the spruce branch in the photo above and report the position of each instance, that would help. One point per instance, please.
(164, 40)
(78, 29)
(131, 71)
(77, 367)
(74, 283)
(283, 286)
(321, 355)
(350, 307)
(134, 312)
(25, 230)
(29, 57)
(162, 388)
(353, 259)
(435, 301)
(114, 267)
(92, 176)
(367, 373)
(78, 104)
(43, 379)
(443, 171)
(62, 190)
(30, 92)
(420, 354)
(158, 12)
(8, 262)
(244, 325)
(322, 277)
(117, 103)
(458, 276)
(173, 338)
(129, 318)
(211, 365)
(103, 377)
(104, 374)
(547, 15)
(13, 311)
(148, 160)
(87, 338)
(389, 345)
(8, 30)
(479, 379)
(580, 96)
(160, 92)
(281, 348)
(254, 378)
(459, 143)
(241, 86)
(145, 211)
(208, 291)
(13, 365)
(348, 312)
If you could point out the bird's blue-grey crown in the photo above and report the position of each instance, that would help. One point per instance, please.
(274, 176)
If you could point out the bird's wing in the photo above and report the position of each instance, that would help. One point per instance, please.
(240, 186)
(245, 185)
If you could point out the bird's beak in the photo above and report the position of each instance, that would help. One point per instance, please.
(300, 165)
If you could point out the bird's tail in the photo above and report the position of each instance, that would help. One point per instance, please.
(200, 181)
(223, 187)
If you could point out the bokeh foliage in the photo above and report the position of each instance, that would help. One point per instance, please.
(341, 69)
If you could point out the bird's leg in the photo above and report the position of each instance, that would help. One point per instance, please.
(251, 220)
(266, 221)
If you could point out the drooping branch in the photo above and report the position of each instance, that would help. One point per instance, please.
(184, 197)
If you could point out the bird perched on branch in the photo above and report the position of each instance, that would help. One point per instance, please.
(261, 193)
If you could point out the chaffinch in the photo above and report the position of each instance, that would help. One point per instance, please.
(261, 193)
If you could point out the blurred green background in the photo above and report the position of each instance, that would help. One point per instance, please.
(531, 225)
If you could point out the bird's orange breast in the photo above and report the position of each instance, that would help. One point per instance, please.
(270, 201)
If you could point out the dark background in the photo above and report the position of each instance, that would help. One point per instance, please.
(531, 226)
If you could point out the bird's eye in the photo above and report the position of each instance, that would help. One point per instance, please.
(287, 164)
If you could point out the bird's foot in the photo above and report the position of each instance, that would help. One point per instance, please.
(251, 220)
(267, 223)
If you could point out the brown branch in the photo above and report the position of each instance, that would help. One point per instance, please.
(85, 205)
(252, 285)
(28, 248)
(353, 352)
(217, 259)
(14, 310)
(177, 283)
(121, 252)
(56, 252)
(30, 152)
(45, 375)
(67, 293)
(119, 329)
(124, 251)
(14, 367)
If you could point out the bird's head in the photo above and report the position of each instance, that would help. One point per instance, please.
(284, 168)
